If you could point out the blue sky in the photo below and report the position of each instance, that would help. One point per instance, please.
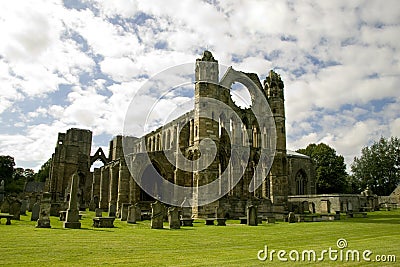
(78, 63)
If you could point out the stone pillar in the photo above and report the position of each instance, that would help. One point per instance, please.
(157, 215)
(114, 172)
(123, 185)
(104, 187)
(44, 215)
(252, 215)
(173, 218)
(72, 217)
(95, 194)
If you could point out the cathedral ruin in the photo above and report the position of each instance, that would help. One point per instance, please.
(112, 185)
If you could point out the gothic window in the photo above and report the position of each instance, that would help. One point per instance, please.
(301, 183)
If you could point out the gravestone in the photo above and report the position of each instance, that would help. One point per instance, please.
(131, 214)
(112, 210)
(15, 209)
(99, 212)
(138, 212)
(291, 217)
(124, 211)
(35, 211)
(92, 205)
(44, 214)
(72, 217)
(252, 215)
(157, 215)
(24, 206)
(173, 218)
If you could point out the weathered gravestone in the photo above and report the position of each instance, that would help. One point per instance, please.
(138, 212)
(157, 215)
(99, 212)
(45, 205)
(112, 210)
(35, 211)
(291, 217)
(24, 206)
(220, 216)
(131, 214)
(72, 216)
(173, 218)
(5, 207)
(124, 211)
(15, 209)
(252, 215)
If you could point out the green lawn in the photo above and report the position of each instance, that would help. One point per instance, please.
(21, 244)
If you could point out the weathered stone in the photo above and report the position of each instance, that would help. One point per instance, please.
(103, 222)
(112, 211)
(291, 217)
(99, 212)
(72, 216)
(131, 214)
(35, 211)
(138, 212)
(44, 215)
(5, 206)
(173, 218)
(124, 211)
(252, 215)
(157, 215)
(24, 207)
(15, 209)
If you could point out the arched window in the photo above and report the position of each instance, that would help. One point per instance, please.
(301, 183)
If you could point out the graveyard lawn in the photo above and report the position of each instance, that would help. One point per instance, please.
(233, 245)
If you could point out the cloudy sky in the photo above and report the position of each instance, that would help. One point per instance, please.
(78, 63)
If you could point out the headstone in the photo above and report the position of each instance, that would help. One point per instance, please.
(131, 214)
(157, 215)
(173, 218)
(72, 217)
(112, 210)
(35, 211)
(92, 205)
(45, 205)
(219, 212)
(124, 211)
(24, 206)
(252, 215)
(138, 212)
(99, 212)
(15, 209)
(291, 217)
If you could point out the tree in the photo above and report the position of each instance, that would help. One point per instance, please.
(44, 171)
(378, 167)
(330, 168)
(6, 170)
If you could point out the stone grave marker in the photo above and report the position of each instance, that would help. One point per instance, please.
(35, 211)
(24, 206)
(99, 212)
(44, 214)
(112, 211)
(131, 214)
(138, 212)
(124, 211)
(72, 217)
(173, 218)
(157, 215)
(252, 215)
(291, 217)
(15, 209)
(5, 207)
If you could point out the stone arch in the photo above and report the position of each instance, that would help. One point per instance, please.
(99, 155)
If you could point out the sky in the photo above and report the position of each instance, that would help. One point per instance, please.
(79, 63)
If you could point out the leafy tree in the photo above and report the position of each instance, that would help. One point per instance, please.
(330, 168)
(6, 170)
(378, 167)
(43, 172)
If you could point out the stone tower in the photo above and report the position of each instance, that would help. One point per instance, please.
(71, 155)
(273, 86)
(205, 122)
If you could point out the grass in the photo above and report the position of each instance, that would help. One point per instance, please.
(21, 244)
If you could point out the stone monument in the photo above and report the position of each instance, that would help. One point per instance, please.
(291, 217)
(15, 209)
(157, 215)
(252, 215)
(173, 218)
(112, 211)
(131, 214)
(44, 215)
(72, 217)
(35, 211)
